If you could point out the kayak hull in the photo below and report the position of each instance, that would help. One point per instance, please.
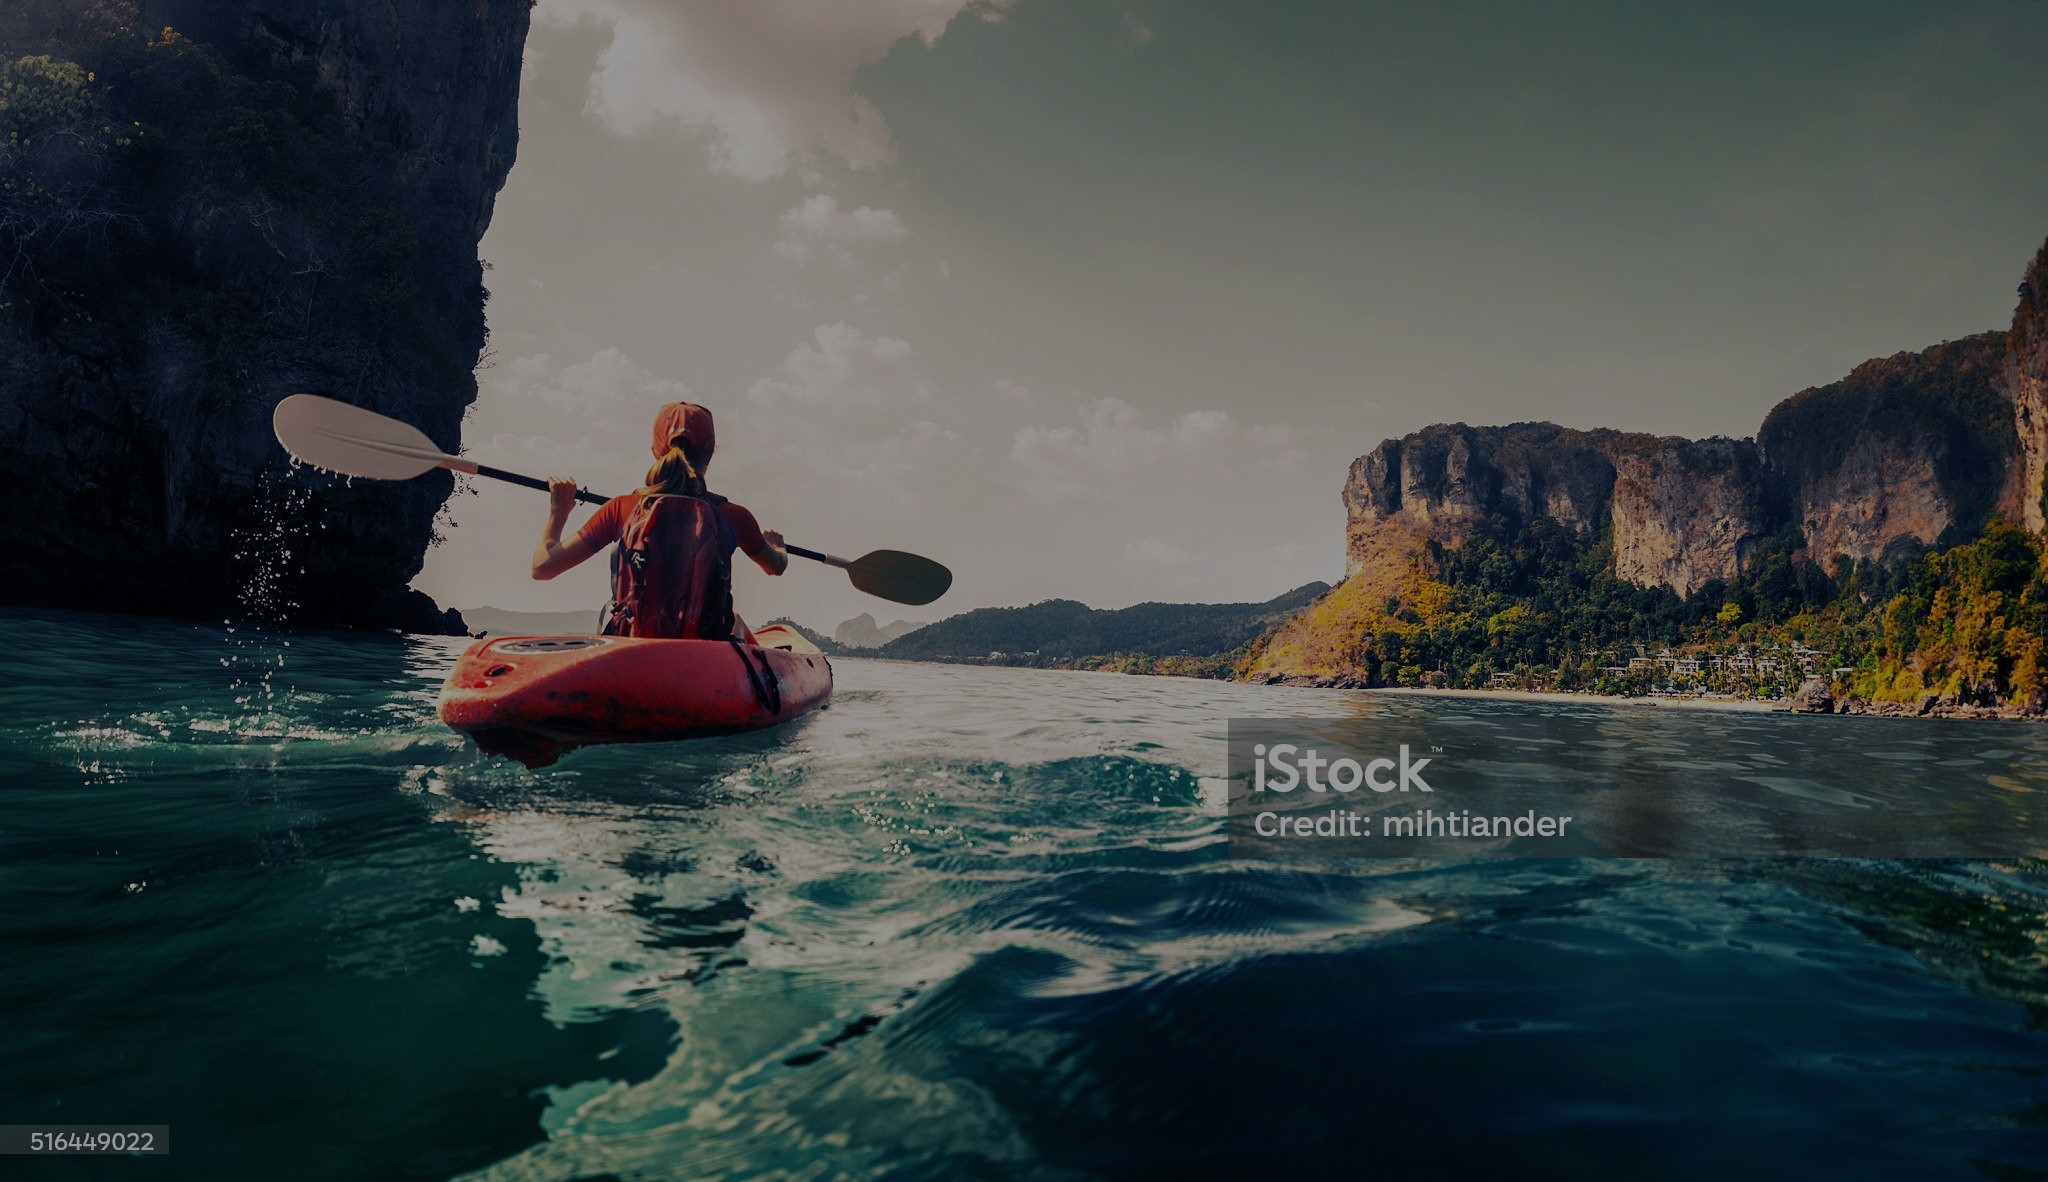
(535, 697)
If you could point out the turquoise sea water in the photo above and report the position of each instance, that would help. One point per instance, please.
(965, 923)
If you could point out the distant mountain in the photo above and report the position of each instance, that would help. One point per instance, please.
(500, 621)
(862, 632)
(1062, 630)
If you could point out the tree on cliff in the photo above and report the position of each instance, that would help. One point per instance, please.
(1969, 617)
(57, 142)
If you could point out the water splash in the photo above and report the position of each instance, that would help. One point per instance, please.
(270, 556)
(265, 553)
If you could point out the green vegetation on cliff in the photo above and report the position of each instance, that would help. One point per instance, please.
(1962, 622)
(153, 166)
(1537, 604)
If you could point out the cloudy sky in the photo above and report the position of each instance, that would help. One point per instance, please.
(1098, 298)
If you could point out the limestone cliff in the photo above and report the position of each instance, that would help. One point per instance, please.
(290, 200)
(1909, 451)
(2026, 382)
(1683, 512)
(1448, 477)
(1686, 512)
(1894, 455)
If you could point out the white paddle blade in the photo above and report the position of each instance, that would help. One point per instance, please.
(352, 441)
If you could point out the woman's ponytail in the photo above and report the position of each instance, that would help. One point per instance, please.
(675, 472)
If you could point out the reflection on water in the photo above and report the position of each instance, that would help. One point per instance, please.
(965, 922)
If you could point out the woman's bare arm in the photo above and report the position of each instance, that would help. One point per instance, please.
(773, 558)
(764, 546)
(553, 556)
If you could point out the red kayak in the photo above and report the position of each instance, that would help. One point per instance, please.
(535, 697)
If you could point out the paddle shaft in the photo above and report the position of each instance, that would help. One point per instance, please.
(819, 556)
(584, 495)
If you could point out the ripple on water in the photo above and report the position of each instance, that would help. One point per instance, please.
(965, 922)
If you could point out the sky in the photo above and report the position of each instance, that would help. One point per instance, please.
(1098, 299)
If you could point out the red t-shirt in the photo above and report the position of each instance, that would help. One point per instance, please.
(609, 521)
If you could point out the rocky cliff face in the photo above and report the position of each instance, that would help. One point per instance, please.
(1907, 451)
(1452, 475)
(1879, 500)
(1894, 455)
(2026, 381)
(1686, 511)
(300, 209)
(1682, 511)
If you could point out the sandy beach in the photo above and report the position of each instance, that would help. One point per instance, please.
(1741, 705)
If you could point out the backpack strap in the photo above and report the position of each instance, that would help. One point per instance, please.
(728, 541)
(615, 618)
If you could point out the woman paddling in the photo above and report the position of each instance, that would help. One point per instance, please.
(672, 571)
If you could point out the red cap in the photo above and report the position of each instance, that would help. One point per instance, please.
(686, 421)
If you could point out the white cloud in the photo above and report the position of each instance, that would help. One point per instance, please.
(587, 419)
(853, 414)
(899, 468)
(610, 389)
(820, 221)
(1110, 448)
(842, 369)
(1156, 555)
(770, 80)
